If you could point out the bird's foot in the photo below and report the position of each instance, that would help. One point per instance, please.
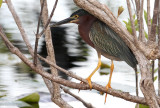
(89, 82)
(107, 87)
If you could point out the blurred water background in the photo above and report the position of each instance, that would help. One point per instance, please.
(71, 52)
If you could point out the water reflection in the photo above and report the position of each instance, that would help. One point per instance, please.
(63, 58)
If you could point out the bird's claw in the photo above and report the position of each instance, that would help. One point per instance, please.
(89, 82)
(107, 87)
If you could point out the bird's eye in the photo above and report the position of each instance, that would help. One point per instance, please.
(76, 16)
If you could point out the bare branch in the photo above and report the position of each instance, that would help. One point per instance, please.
(152, 37)
(88, 105)
(44, 29)
(69, 73)
(139, 11)
(117, 93)
(25, 38)
(49, 20)
(103, 13)
(37, 69)
(148, 17)
(141, 26)
(37, 37)
(159, 49)
(132, 21)
(19, 24)
(56, 96)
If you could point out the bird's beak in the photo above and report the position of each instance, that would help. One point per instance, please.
(67, 20)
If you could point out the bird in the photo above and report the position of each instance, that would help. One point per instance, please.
(103, 39)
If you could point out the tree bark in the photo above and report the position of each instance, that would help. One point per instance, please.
(56, 96)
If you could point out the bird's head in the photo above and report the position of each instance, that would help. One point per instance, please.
(76, 17)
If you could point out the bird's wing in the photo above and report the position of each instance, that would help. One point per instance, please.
(107, 40)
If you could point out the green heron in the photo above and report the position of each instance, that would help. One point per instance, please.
(103, 39)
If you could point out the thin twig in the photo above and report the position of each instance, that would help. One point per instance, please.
(148, 17)
(37, 37)
(152, 36)
(117, 93)
(19, 24)
(152, 70)
(139, 11)
(159, 49)
(88, 105)
(56, 96)
(141, 26)
(25, 38)
(133, 6)
(132, 21)
(37, 69)
(69, 73)
(49, 20)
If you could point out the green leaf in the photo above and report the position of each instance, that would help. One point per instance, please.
(145, 16)
(104, 73)
(146, 35)
(134, 16)
(129, 28)
(1, 1)
(125, 22)
(129, 22)
(155, 70)
(103, 65)
(32, 98)
(120, 10)
(136, 22)
(2, 96)
(143, 106)
(155, 78)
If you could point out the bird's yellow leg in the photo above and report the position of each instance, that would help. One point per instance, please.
(109, 82)
(98, 66)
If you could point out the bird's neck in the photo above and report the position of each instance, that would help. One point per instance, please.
(84, 28)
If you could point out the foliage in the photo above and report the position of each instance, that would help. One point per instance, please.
(2, 96)
(1, 1)
(120, 10)
(128, 24)
(31, 98)
(143, 106)
(103, 65)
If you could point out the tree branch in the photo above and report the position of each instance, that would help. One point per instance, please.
(131, 18)
(14, 50)
(88, 105)
(20, 27)
(148, 18)
(56, 96)
(159, 49)
(37, 37)
(25, 38)
(49, 20)
(117, 93)
(141, 26)
(132, 22)
(152, 37)
(104, 14)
